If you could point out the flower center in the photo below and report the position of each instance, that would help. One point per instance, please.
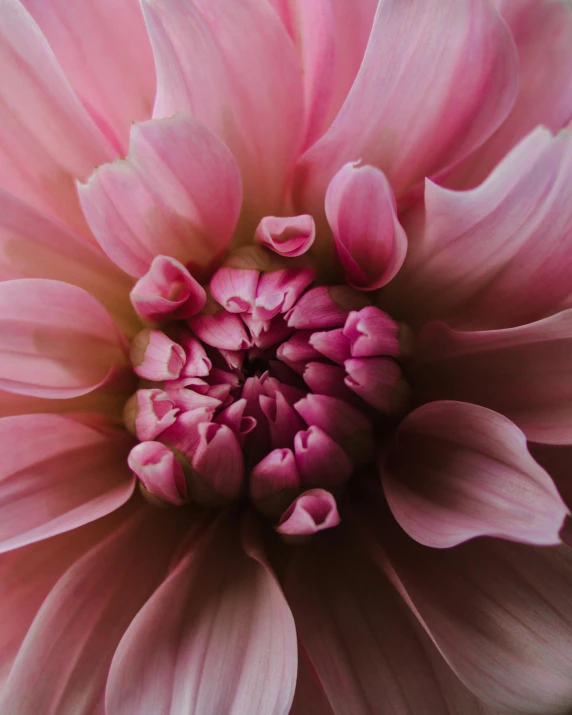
(277, 386)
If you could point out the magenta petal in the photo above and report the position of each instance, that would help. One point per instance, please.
(135, 219)
(222, 330)
(249, 89)
(460, 471)
(167, 291)
(313, 511)
(69, 648)
(218, 462)
(524, 372)
(57, 474)
(370, 242)
(175, 657)
(320, 460)
(278, 291)
(324, 379)
(333, 344)
(434, 102)
(56, 340)
(372, 332)
(373, 379)
(317, 308)
(288, 236)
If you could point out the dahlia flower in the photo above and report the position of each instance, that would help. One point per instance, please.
(285, 357)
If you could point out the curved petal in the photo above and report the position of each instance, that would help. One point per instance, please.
(34, 246)
(220, 617)
(105, 51)
(68, 650)
(497, 255)
(48, 138)
(57, 474)
(541, 28)
(369, 240)
(557, 460)
(525, 373)
(177, 194)
(363, 647)
(434, 100)
(499, 612)
(232, 66)
(460, 471)
(56, 340)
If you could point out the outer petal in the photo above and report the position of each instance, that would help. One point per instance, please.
(67, 652)
(105, 51)
(57, 474)
(525, 372)
(370, 242)
(232, 66)
(500, 614)
(220, 619)
(433, 101)
(56, 340)
(33, 246)
(177, 194)
(497, 255)
(461, 471)
(48, 138)
(541, 28)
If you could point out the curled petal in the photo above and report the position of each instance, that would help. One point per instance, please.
(320, 460)
(155, 465)
(313, 511)
(156, 357)
(218, 463)
(370, 242)
(289, 236)
(234, 288)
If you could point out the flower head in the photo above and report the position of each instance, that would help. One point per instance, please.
(285, 375)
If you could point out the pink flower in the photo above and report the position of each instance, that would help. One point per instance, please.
(285, 357)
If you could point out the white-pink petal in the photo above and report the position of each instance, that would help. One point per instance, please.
(216, 637)
(57, 474)
(56, 340)
(177, 193)
(459, 471)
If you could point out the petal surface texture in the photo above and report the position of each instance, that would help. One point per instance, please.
(460, 471)
(233, 66)
(410, 71)
(216, 637)
(56, 475)
(165, 197)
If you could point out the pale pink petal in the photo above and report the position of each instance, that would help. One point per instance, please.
(235, 288)
(34, 246)
(56, 340)
(434, 100)
(359, 637)
(232, 66)
(104, 50)
(541, 29)
(525, 373)
(57, 474)
(28, 574)
(288, 236)
(369, 240)
(159, 472)
(219, 618)
(313, 511)
(48, 137)
(499, 612)
(176, 194)
(68, 650)
(458, 471)
(477, 262)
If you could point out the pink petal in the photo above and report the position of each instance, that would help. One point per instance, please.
(372, 332)
(374, 380)
(159, 472)
(48, 137)
(57, 474)
(434, 102)
(477, 261)
(56, 340)
(218, 465)
(460, 471)
(524, 373)
(69, 648)
(320, 460)
(167, 291)
(369, 240)
(249, 89)
(274, 481)
(314, 510)
(333, 344)
(34, 246)
(221, 330)
(278, 291)
(289, 236)
(150, 412)
(323, 307)
(545, 88)
(500, 614)
(324, 379)
(234, 289)
(178, 213)
(361, 641)
(156, 357)
(115, 79)
(220, 617)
